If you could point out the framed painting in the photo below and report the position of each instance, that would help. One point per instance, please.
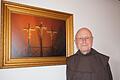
(33, 36)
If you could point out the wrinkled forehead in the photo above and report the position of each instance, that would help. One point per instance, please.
(84, 33)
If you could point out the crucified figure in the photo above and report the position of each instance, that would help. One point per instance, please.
(52, 32)
(29, 30)
(40, 28)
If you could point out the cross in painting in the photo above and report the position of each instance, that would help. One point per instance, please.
(29, 30)
(40, 29)
(52, 32)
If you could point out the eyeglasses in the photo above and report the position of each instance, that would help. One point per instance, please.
(85, 38)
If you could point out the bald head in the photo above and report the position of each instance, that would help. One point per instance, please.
(84, 40)
(83, 31)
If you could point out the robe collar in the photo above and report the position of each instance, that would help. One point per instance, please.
(92, 52)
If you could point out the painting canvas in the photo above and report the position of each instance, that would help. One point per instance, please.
(35, 36)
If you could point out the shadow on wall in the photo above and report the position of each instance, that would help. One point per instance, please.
(116, 66)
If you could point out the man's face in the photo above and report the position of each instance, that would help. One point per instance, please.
(84, 40)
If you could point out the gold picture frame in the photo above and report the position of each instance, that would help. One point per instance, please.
(21, 47)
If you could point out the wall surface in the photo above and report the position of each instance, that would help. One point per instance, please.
(101, 16)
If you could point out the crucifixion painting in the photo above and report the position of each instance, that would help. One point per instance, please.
(37, 36)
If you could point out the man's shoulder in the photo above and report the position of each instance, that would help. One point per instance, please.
(72, 56)
(102, 56)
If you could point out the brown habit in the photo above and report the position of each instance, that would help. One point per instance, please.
(93, 66)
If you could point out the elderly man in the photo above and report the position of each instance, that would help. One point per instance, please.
(87, 63)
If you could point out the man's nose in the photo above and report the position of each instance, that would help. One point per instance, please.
(84, 40)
